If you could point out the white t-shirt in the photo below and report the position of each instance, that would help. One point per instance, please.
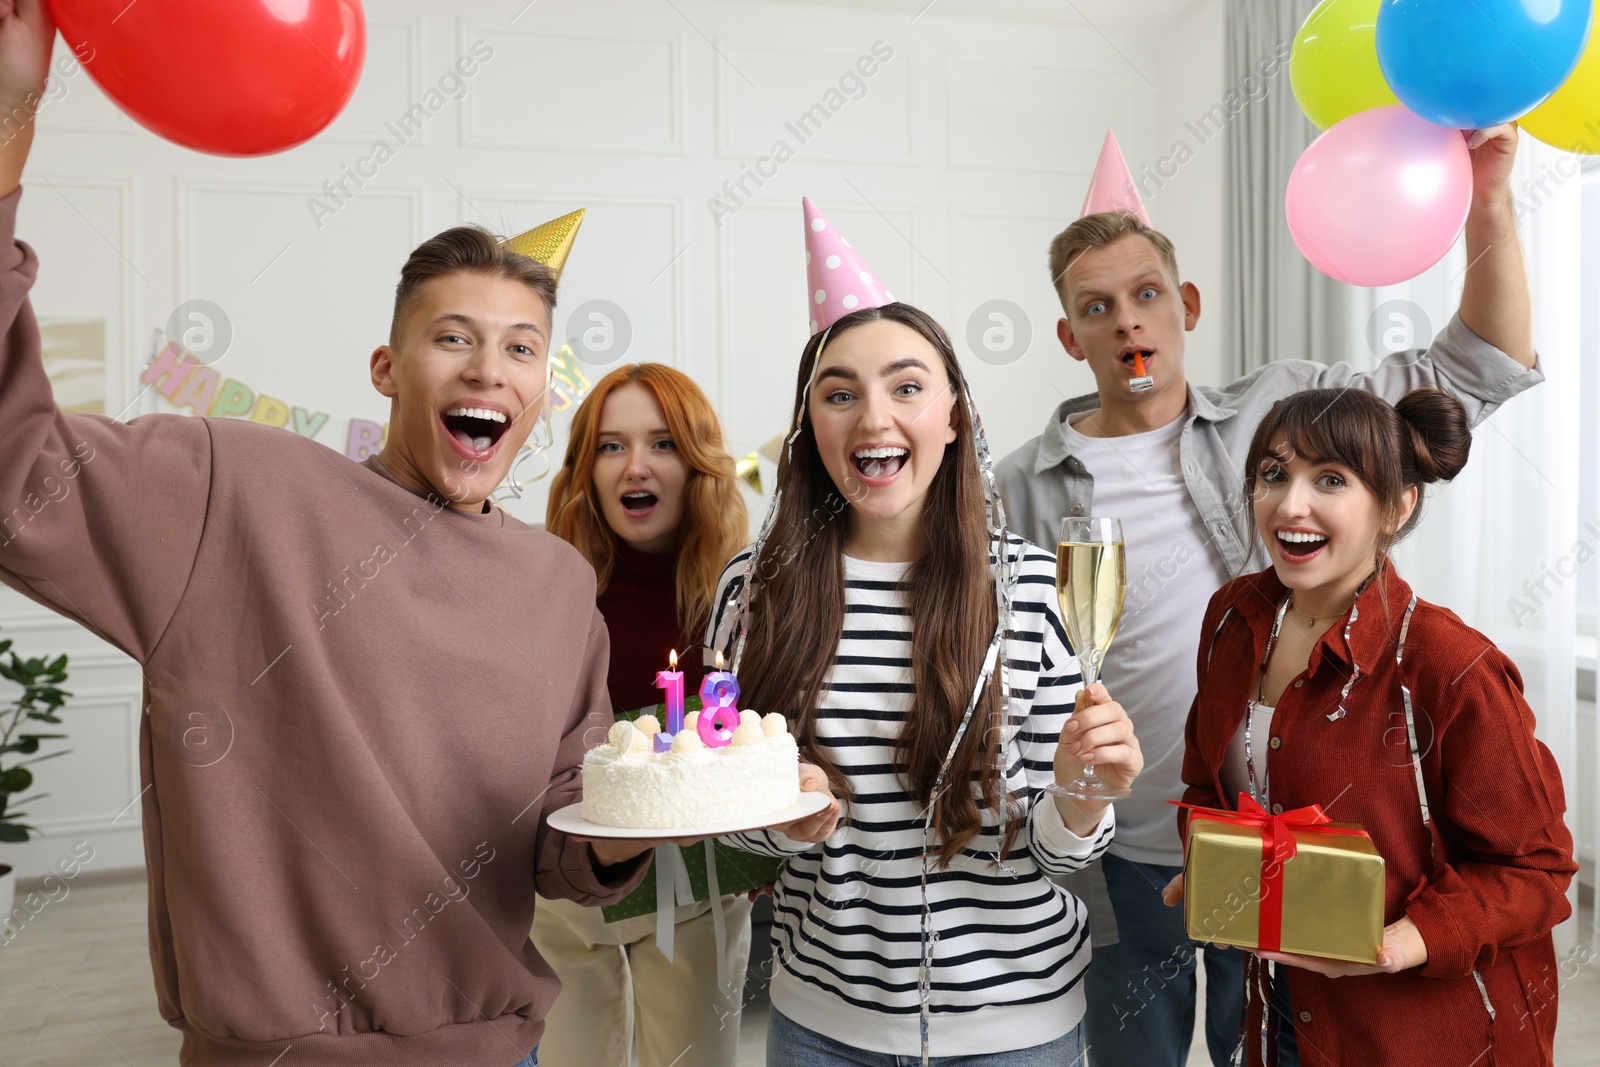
(1235, 768)
(1149, 668)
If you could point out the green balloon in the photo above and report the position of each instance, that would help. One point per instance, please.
(1334, 67)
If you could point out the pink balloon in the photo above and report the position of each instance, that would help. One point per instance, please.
(1380, 197)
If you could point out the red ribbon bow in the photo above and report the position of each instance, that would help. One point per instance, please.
(1277, 848)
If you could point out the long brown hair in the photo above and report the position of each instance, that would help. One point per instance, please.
(715, 522)
(799, 614)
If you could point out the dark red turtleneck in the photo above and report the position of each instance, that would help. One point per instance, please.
(640, 605)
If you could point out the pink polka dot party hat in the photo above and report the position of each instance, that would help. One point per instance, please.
(839, 282)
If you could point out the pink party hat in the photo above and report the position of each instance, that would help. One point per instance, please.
(839, 282)
(1112, 188)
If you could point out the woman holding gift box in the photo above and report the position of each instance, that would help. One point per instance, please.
(649, 496)
(918, 652)
(1325, 681)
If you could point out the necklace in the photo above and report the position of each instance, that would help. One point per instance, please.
(1314, 618)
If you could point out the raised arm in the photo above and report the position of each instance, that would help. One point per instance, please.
(98, 520)
(26, 36)
(1495, 302)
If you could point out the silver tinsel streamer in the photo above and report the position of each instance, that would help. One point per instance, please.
(1005, 564)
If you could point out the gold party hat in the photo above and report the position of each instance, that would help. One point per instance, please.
(749, 469)
(549, 243)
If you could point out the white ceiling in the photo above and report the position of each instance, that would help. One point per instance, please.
(1102, 14)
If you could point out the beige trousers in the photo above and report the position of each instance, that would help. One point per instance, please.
(615, 985)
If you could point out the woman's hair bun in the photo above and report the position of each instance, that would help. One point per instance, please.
(1440, 434)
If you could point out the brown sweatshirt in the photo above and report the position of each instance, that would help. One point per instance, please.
(360, 706)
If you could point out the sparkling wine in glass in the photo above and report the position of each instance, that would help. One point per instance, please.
(1091, 579)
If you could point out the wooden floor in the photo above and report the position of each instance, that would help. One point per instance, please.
(76, 991)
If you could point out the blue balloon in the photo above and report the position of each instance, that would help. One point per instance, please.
(1471, 64)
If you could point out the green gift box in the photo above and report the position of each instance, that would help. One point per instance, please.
(737, 871)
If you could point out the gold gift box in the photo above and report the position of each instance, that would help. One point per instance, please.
(1332, 890)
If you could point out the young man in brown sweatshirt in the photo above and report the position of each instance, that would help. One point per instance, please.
(365, 688)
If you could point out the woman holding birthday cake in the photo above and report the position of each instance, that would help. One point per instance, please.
(918, 653)
(1325, 681)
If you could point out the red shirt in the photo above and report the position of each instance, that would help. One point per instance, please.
(640, 606)
(1504, 855)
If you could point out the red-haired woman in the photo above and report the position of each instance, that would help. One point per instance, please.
(650, 498)
(1324, 680)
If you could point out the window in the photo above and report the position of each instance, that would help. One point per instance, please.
(1589, 409)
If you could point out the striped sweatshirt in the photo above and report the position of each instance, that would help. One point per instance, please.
(1011, 945)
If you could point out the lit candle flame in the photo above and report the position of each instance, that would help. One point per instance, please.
(720, 664)
(673, 659)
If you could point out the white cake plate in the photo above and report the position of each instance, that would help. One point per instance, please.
(570, 820)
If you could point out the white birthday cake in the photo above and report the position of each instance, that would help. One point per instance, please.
(626, 782)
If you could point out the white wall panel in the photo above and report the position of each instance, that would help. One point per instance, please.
(91, 266)
(824, 104)
(604, 90)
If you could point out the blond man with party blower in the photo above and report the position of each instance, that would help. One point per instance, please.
(1164, 455)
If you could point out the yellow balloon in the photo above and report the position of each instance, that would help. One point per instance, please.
(1334, 67)
(1570, 119)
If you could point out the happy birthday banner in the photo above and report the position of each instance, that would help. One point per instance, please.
(186, 382)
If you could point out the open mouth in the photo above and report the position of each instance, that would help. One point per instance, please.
(882, 462)
(1300, 546)
(476, 429)
(638, 502)
(1129, 362)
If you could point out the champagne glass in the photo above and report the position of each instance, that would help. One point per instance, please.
(1091, 579)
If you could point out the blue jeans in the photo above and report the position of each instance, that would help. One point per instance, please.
(532, 1060)
(1141, 990)
(791, 1045)
(1288, 1048)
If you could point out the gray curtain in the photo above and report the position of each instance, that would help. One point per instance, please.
(1280, 306)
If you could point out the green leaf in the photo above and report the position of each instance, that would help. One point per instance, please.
(42, 716)
(13, 833)
(58, 664)
(26, 745)
(15, 780)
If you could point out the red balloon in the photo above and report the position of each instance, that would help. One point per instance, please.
(230, 77)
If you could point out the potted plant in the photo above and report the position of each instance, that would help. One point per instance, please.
(40, 700)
